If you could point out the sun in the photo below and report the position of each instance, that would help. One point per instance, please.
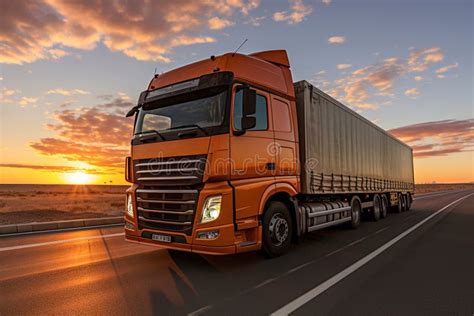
(78, 177)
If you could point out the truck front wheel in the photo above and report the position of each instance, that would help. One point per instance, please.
(277, 230)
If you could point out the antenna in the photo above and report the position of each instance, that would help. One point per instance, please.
(155, 75)
(239, 47)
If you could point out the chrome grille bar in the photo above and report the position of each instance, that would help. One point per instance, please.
(168, 170)
(167, 178)
(139, 199)
(162, 163)
(188, 212)
(164, 222)
(166, 191)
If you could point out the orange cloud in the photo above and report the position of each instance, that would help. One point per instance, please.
(145, 30)
(438, 138)
(98, 136)
(337, 39)
(298, 12)
(217, 23)
(412, 92)
(343, 66)
(356, 88)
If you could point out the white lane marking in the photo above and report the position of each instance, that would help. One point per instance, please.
(311, 294)
(56, 242)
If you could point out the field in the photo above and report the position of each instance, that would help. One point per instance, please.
(24, 203)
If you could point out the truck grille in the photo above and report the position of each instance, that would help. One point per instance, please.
(168, 192)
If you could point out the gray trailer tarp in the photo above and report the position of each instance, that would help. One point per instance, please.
(342, 152)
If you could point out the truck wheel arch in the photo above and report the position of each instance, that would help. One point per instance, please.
(284, 193)
(279, 192)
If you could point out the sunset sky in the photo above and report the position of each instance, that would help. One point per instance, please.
(71, 69)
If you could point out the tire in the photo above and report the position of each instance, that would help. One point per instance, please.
(409, 201)
(384, 206)
(277, 230)
(375, 214)
(356, 210)
(405, 202)
(399, 207)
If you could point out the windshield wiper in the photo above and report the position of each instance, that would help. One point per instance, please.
(190, 125)
(144, 135)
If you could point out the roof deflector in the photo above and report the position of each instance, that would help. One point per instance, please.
(279, 57)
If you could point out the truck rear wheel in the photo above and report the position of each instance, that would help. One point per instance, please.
(277, 230)
(399, 207)
(376, 209)
(356, 208)
(409, 201)
(404, 202)
(384, 206)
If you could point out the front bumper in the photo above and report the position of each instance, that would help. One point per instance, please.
(229, 241)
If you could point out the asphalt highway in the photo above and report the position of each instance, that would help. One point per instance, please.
(420, 262)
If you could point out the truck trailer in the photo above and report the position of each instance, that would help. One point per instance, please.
(228, 155)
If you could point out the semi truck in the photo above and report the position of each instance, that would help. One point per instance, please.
(228, 155)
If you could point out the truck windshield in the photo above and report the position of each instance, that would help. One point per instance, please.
(198, 113)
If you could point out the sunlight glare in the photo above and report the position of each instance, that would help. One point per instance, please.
(78, 177)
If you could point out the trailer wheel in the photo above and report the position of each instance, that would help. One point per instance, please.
(384, 206)
(399, 207)
(356, 208)
(376, 209)
(277, 230)
(405, 202)
(409, 201)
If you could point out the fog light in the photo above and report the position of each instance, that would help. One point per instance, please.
(129, 226)
(212, 234)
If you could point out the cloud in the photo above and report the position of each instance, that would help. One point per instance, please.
(444, 69)
(67, 92)
(217, 23)
(438, 138)
(343, 66)
(298, 12)
(412, 92)
(24, 101)
(48, 168)
(141, 29)
(98, 136)
(418, 78)
(56, 53)
(255, 21)
(378, 79)
(337, 39)
(327, 2)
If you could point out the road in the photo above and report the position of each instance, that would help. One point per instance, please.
(369, 271)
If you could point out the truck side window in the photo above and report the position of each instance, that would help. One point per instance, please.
(261, 113)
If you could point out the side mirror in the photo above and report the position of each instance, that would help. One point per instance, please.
(248, 122)
(249, 101)
(249, 107)
(128, 169)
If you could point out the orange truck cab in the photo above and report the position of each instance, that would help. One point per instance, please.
(215, 161)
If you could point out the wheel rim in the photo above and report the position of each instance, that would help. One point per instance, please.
(278, 229)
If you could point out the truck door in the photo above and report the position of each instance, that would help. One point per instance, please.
(253, 156)
(285, 142)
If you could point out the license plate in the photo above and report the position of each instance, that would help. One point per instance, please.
(162, 238)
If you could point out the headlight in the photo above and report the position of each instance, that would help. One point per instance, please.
(129, 205)
(211, 209)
